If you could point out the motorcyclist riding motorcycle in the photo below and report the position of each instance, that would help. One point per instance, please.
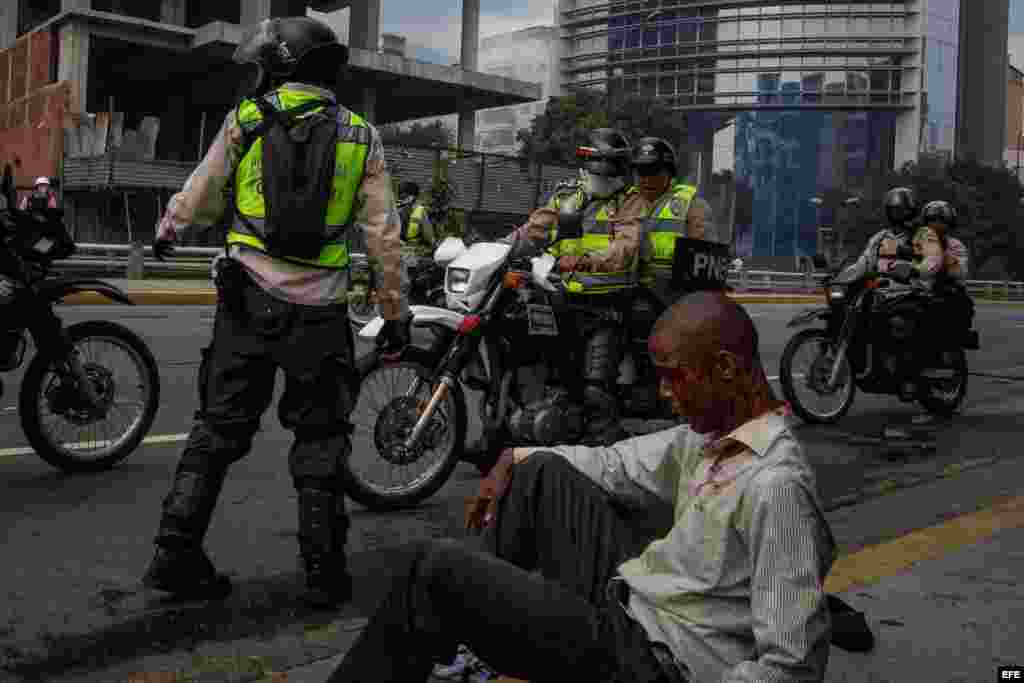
(600, 264)
(671, 209)
(417, 229)
(318, 173)
(42, 197)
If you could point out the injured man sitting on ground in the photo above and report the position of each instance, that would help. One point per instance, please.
(566, 584)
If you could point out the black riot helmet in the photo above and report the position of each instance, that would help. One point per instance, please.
(900, 206)
(939, 212)
(653, 155)
(292, 47)
(607, 154)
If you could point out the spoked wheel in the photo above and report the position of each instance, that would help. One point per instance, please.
(804, 374)
(59, 424)
(381, 473)
(943, 396)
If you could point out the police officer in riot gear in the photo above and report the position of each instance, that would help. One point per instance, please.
(278, 311)
(417, 229)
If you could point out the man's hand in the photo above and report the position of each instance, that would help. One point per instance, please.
(162, 248)
(888, 247)
(567, 264)
(481, 510)
(394, 337)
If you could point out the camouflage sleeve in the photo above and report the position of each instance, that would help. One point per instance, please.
(627, 229)
(202, 200)
(957, 259)
(698, 219)
(377, 215)
(929, 250)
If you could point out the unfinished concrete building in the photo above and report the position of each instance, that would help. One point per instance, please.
(142, 87)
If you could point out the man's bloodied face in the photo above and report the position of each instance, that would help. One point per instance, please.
(704, 352)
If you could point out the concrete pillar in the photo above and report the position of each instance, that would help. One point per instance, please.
(73, 63)
(254, 11)
(8, 24)
(172, 12)
(466, 134)
(470, 34)
(364, 25)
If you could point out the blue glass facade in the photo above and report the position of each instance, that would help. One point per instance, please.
(942, 46)
(786, 158)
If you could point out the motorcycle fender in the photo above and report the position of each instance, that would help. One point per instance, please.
(421, 315)
(808, 317)
(58, 288)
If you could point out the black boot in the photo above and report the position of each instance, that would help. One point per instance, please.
(323, 527)
(180, 566)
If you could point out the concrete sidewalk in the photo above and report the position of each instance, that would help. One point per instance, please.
(945, 602)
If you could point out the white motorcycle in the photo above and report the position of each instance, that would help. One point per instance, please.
(498, 335)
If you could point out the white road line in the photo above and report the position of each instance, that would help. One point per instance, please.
(148, 441)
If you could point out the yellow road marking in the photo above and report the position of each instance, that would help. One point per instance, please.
(874, 563)
(148, 441)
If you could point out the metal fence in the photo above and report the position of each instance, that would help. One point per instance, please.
(189, 262)
(481, 182)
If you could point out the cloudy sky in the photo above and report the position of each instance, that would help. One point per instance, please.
(435, 25)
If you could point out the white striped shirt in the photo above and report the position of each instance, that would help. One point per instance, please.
(736, 587)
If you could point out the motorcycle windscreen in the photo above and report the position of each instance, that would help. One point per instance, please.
(699, 265)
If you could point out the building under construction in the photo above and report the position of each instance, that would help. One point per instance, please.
(118, 99)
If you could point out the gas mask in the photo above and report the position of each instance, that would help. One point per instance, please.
(602, 186)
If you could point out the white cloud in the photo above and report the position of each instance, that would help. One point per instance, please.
(1015, 46)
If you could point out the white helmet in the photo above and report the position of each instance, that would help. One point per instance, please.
(42, 181)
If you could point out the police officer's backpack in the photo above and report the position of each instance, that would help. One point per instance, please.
(298, 160)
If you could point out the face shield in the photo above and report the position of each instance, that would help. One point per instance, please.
(601, 177)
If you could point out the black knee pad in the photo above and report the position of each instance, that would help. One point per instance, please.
(214, 446)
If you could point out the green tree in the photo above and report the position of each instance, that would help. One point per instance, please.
(434, 134)
(553, 137)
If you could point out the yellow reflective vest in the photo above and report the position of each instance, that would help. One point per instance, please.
(665, 222)
(350, 163)
(597, 237)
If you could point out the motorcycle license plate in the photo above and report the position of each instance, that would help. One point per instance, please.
(541, 320)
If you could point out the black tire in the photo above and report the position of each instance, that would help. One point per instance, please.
(946, 406)
(786, 380)
(377, 500)
(31, 386)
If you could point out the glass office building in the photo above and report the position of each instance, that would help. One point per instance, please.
(784, 101)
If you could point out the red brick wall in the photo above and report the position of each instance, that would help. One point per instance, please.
(32, 108)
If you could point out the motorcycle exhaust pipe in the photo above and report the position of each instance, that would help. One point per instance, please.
(428, 412)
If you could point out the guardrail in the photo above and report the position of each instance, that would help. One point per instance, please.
(137, 262)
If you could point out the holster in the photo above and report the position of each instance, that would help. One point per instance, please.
(231, 280)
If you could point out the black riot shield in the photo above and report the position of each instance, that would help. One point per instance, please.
(699, 265)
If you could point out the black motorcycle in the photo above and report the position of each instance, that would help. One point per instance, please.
(864, 346)
(79, 410)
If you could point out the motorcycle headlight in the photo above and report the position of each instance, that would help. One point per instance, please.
(836, 293)
(457, 280)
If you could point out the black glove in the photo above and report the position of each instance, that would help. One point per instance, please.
(162, 248)
(394, 336)
(905, 252)
(903, 272)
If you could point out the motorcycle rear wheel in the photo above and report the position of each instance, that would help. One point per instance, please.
(367, 437)
(788, 379)
(38, 390)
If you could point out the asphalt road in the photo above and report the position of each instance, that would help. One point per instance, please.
(75, 547)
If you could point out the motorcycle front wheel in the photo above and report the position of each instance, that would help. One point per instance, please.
(804, 372)
(60, 427)
(379, 473)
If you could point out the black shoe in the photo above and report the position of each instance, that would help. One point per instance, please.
(850, 630)
(327, 590)
(186, 574)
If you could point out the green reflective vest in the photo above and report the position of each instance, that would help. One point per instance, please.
(414, 232)
(597, 237)
(350, 162)
(665, 222)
